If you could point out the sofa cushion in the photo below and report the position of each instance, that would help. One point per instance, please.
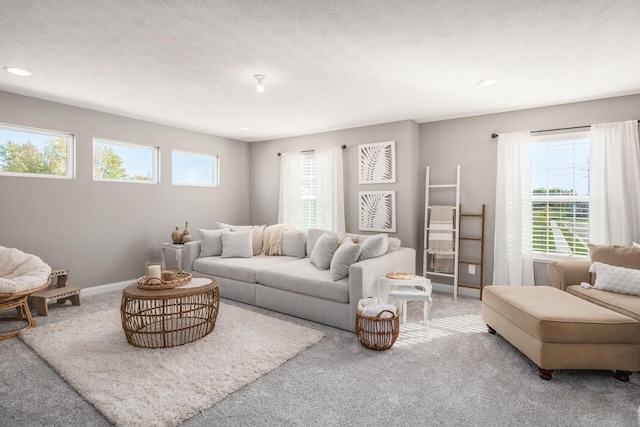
(242, 269)
(554, 316)
(620, 256)
(616, 279)
(236, 244)
(347, 254)
(629, 305)
(294, 243)
(323, 251)
(302, 277)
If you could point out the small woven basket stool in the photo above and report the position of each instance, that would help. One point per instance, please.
(377, 333)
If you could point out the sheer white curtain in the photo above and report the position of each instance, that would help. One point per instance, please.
(614, 207)
(513, 247)
(330, 189)
(290, 206)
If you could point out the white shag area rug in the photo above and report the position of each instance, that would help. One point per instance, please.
(132, 386)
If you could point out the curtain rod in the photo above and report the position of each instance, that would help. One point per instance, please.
(344, 147)
(495, 135)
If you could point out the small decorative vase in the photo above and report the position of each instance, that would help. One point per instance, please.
(176, 236)
(186, 234)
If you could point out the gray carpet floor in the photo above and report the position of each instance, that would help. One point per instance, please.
(462, 379)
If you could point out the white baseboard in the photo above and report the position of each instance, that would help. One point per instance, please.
(467, 292)
(109, 287)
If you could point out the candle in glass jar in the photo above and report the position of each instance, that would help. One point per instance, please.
(154, 273)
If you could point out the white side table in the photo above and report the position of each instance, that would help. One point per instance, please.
(416, 289)
(177, 248)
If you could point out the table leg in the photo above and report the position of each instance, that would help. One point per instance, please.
(163, 257)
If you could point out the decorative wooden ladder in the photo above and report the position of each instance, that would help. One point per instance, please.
(473, 239)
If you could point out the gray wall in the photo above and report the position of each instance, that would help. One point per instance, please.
(105, 231)
(265, 173)
(467, 142)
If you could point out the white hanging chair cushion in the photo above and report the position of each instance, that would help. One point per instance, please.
(21, 272)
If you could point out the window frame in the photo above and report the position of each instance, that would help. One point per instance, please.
(216, 165)
(558, 137)
(155, 167)
(71, 151)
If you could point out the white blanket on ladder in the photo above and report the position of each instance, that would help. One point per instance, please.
(441, 239)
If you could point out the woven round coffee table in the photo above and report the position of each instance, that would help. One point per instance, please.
(170, 317)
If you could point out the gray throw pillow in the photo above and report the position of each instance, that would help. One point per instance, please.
(347, 254)
(210, 242)
(236, 244)
(323, 251)
(294, 243)
(374, 246)
(313, 234)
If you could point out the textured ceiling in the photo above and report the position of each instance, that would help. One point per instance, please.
(329, 64)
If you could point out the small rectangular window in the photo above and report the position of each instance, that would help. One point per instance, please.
(194, 169)
(560, 199)
(123, 162)
(35, 152)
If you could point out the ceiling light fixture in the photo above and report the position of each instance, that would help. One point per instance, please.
(487, 82)
(259, 78)
(244, 128)
(18, 71)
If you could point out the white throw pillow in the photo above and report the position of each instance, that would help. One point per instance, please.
(374, 246)
(347, 254)
(210, 242)
(237, 244)
(256, 235)
(616, 279)
(323, 251)
(394, 244)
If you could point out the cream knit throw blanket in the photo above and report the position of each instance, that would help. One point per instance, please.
(272, 239)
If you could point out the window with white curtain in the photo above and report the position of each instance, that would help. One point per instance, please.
(560, 167)
(309, 190)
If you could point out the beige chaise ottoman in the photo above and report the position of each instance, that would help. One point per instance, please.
(557, 330)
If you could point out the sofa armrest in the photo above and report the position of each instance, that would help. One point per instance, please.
(363, 275)
(569, 272)
(191, 252)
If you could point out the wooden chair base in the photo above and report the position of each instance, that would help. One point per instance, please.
(20, 302)
(23, 313)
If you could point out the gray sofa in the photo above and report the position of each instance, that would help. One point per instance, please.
(294, 286)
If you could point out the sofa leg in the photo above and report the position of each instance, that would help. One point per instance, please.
(545, 374)
(622, 375)
(491, 330)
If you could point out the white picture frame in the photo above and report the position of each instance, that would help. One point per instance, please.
(377, 211)
(377, 163)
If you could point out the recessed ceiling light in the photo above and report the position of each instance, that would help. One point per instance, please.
(487, 82)
(18, 71)
(260, 86)
(244, 128)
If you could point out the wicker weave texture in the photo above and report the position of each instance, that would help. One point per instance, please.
(377, 333)
(161, 319)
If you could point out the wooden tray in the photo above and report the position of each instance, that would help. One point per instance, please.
(182, 278)
(401, 276)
